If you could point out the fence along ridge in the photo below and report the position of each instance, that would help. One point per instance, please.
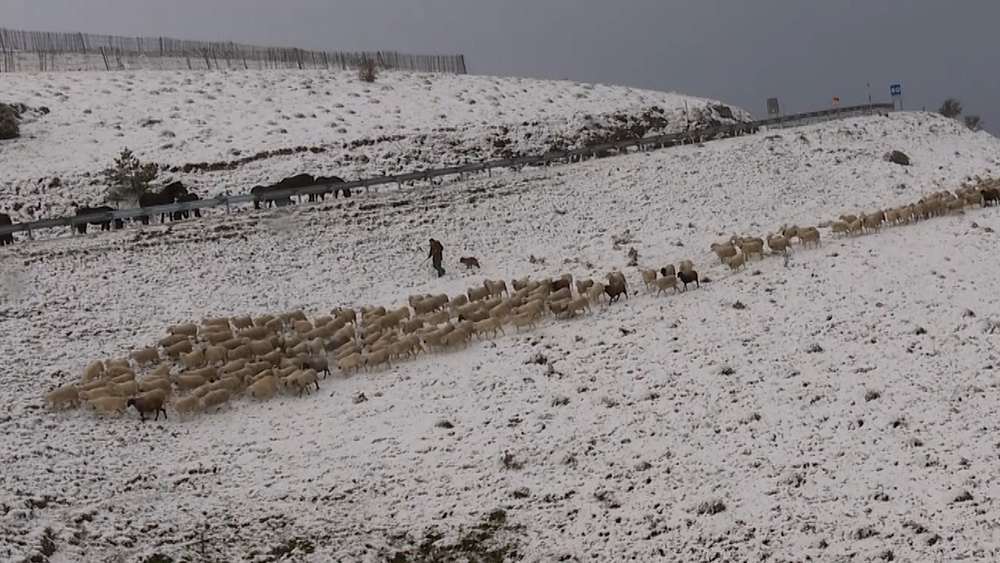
(486, 165)
(48, 43)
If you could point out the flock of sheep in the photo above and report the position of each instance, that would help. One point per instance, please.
(203, 366)
(738, 250)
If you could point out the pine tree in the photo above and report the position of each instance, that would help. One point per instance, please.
(129, 179)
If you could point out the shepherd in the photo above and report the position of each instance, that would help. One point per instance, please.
(436, 255)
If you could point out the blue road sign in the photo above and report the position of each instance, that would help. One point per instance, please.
(895, 90)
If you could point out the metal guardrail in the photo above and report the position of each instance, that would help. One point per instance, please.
(670, 139)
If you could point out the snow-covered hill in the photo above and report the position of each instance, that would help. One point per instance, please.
(228, 131)
(840, 406)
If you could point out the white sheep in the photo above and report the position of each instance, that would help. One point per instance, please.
(146, 356)
(352, 361)
(93, 371)
(118, 370)
(524, 320)
(649, 277)
(217, 321)
(218, 337)
(194, 359)
(737, 262)
(581, 303)
(240, 323)
(840, 226)
(305, 378)
(724, 251)
(67, 394)
(596, 291)
(809, 235)
(264, 388)
(125, 389)
(188, 381)
(491, 325)
(665, 283)
(520, 284)
(188, 404)
(157, 382)
(240, 352)
(105, 391)
(182, 347)
(749, 246)
(216, 398)
(378, 358)
(475, 294)
(189, 329)
(216, 354)
(109, 405)
(496, 288)
(778, 243)
(254, 333)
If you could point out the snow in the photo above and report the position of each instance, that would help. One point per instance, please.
(817, 415)
(401, 123)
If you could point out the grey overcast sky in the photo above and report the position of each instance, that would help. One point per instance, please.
(740, 51)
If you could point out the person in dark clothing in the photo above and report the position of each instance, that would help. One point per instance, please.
(436, 255)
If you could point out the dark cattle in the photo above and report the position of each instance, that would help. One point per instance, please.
(187, 197)
(299, 181)
(294, 182)
(262, 193)
(105, 225)
(5, 220)
(166, 196)
(258, 193)
(329, 182)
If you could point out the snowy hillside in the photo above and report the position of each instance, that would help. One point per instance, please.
(842, 405)
(228, 131)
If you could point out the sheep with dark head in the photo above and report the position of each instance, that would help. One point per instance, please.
(150, 401)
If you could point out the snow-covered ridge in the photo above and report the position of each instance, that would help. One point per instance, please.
(198, 123)
(701, 431)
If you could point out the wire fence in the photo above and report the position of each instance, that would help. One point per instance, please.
(574, 155)
(42, 51)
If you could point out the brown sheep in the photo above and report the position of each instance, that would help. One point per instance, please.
(150, 401)
(688, 276)
(615, 289)
(620, 277)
